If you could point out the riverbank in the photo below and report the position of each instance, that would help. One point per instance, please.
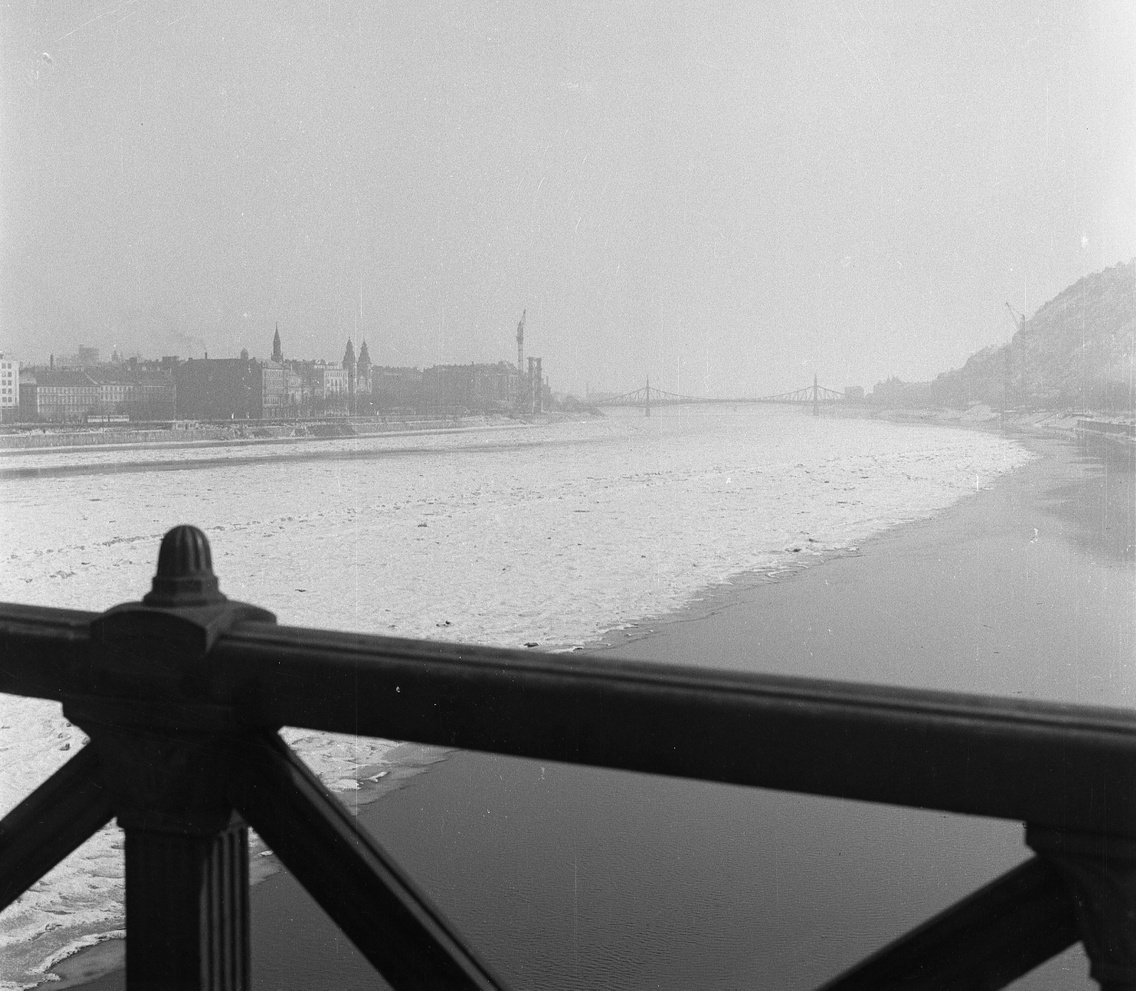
(1039, 563)
(582, 878)
(1119, 430)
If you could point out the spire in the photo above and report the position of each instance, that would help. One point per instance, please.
(349, 364)
(363, 371)
(277, 353)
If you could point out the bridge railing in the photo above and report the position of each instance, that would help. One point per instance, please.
(182, 696)
(650, 396)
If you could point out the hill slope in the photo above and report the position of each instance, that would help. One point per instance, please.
(1076, 351)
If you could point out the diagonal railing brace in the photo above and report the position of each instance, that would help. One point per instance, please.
(55, 819)
(378, 907)
(982, 943)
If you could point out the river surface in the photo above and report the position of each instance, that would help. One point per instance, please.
(548, 535)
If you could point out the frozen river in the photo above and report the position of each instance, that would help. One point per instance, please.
(540, 535)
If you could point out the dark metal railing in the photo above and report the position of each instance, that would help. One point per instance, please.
(182, 695)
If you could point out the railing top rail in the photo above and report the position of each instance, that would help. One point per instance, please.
(954, 752)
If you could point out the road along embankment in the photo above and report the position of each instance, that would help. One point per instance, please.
(242, 433)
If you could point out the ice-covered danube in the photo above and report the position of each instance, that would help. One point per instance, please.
(547, 535)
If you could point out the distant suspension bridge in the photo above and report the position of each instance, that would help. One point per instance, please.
(814, 395)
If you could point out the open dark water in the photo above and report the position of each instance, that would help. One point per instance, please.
(572, 878)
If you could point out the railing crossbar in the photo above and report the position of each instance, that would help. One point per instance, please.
(933, 750)
(936, 750)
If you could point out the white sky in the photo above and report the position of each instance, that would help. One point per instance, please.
(726, 196)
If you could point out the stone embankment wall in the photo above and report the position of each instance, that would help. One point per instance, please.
(88, 438)
(237, 434)
(1120, 430)
(1122, 433)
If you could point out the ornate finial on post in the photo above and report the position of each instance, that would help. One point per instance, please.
(185, 571)
(183, 615)
(162, 724)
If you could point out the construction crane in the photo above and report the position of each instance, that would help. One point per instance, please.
(1018, 318)
(1007, 386)
(521, 390)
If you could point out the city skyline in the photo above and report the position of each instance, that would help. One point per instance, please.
(712, 195)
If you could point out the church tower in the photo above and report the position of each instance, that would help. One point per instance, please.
(349, 364)
(363, 370)
(277, 353)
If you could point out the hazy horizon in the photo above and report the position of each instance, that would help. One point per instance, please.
(726, 197)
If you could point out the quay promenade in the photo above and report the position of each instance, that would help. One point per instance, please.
(244, 432)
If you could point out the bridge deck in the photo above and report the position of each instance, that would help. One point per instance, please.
(649, 396)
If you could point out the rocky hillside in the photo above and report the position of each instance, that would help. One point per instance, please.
(1076, 351)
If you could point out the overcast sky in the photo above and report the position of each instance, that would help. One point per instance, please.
(725, 196)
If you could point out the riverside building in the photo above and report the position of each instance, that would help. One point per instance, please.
(230, 388)
(71, 395)
(9, 384)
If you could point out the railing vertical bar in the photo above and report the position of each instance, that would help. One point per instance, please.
(184, 910)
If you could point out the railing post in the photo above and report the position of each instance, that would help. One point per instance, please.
(1099, 873)
(187, 909)
(165, 760)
